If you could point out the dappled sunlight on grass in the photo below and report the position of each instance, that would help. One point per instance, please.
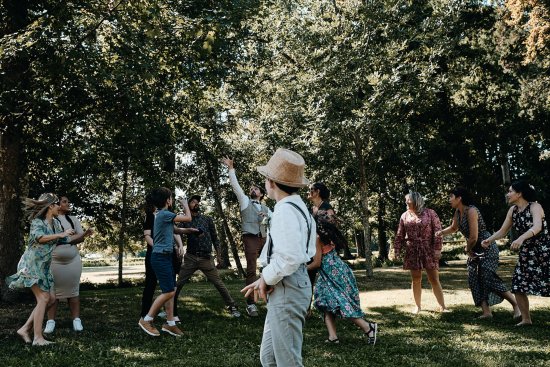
(112, 337)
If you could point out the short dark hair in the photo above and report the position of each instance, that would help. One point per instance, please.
(462, 193)
(160, 196)
(526, 190)
(149, 205)
(324, 192)
(288, 189)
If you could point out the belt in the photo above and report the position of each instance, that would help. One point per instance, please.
(253, 235)
(199, 253)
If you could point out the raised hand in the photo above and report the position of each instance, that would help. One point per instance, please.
(228, 162)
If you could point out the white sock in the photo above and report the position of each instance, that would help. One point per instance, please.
(148, 318)
(171, 323)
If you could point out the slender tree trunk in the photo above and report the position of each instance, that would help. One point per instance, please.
(360, 242)
(382, 236)
(122, 235)
(13, 186)
(364, 202)
(219, 209)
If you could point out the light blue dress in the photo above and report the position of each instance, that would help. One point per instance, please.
(34, 266)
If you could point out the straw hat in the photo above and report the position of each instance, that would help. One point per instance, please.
(285, 167)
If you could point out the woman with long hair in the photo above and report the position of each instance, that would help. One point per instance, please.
(33, 269)
(486, 286)
(416, 237)
(532, 272)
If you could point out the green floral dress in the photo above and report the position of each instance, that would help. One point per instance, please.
(34, 266)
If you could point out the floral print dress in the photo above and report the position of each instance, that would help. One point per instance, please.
(416, 236)
(34, 266)
(532, 272)
(336, 289)
(483, 280)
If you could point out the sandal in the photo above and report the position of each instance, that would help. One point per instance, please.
(371, 334)
(332, 341)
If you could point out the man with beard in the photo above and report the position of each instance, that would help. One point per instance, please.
(199, 256)
(253, 231)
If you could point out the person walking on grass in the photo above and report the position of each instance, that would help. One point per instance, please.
(67, 268)
(486, 286)
(33, 269)
(422, 248)
(532, 272)
(253, 231)
(199, 256)
(284, 282)
(161, 261)
(177, 256)
(336, 292)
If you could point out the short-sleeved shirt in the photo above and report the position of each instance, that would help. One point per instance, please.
(163, 232)
(149, 224)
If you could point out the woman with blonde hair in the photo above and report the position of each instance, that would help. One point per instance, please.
(416, 238)
(33, 269)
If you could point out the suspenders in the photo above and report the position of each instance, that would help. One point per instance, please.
(270, 245)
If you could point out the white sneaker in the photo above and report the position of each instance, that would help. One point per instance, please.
(252, 310)
(77, 325)
(50, 327)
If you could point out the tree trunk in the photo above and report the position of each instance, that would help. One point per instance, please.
(383, 248)
(11, 187)
(122, 235)
(364, 202)
(12, 161)
(359, 242)
(214, 179)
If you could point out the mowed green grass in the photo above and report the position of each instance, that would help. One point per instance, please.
(112, 337)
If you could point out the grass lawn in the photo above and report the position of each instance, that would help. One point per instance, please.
(112, 337)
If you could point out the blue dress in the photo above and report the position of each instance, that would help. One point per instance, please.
(34, 266)
(336, 289)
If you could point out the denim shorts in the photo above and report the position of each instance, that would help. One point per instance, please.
(164, 270)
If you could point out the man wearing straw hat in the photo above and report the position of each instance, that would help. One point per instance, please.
(284, 282)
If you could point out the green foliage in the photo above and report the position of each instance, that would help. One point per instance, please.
(108, 100)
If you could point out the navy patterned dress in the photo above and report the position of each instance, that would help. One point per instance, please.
(532, 273)
(483, 280)
(336, 289)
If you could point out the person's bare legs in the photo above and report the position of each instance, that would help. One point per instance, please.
(74, 306)
(523, 304)
(486, 310)
(42, 299)
(330, 322)
(510, 298)
(159, 302)
(23, 331)
(433, 278)
(416, 285)
(169, 307)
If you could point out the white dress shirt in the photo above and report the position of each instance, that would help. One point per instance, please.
(288, 231)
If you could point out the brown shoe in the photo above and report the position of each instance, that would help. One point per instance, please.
(148, 327)
(172, 330)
